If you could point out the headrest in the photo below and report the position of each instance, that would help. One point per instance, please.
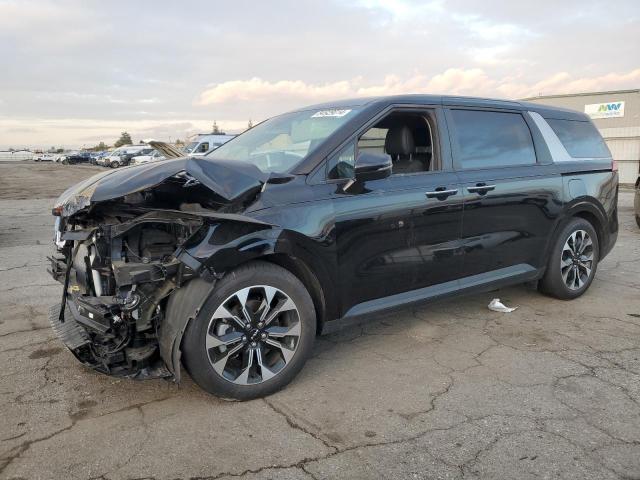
(399, 141)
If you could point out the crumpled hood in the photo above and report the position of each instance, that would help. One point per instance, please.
(228, 179)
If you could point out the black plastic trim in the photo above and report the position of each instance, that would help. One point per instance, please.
(476, 283)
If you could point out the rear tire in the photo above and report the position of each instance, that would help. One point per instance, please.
(230, 359)
(638, 220)
(572, 264)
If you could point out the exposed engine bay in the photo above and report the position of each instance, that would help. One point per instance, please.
(121, 257)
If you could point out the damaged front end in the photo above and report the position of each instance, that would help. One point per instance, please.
(124, 245)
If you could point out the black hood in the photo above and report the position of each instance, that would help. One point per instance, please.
(230, 180)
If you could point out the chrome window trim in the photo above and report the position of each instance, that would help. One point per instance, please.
(556, 148)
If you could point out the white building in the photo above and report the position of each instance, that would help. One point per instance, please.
(617, 116)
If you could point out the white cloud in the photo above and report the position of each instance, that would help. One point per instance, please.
(402, 10)
(453, 81)
(257, 89)
(563, 82)
(90, 98)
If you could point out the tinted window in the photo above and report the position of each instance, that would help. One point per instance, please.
(581, 139)
(372, 140)
(491, 139)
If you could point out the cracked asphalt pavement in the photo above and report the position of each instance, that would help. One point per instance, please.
(450, 390)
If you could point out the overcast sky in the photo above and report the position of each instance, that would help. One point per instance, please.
(79, 71)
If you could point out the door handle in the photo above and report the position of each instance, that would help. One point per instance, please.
(481, 188)
(441, 193)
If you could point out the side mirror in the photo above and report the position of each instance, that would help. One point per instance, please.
(373, 166)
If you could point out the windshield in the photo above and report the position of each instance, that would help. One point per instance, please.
(189, 148)
(280, 143)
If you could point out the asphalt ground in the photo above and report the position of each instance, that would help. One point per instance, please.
(449, 390)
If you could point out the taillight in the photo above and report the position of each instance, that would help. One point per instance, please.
(614, 165)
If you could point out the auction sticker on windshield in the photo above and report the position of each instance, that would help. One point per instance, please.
(330, 113)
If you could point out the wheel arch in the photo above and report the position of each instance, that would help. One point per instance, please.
(305, 274)
(184, 304)
(302, 256)
(586, 209)
(595, 221)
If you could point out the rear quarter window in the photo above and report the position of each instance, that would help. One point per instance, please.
(580, 139)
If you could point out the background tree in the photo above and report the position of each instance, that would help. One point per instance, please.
(99, 147)
(249, 125)
(125, 139)
(179, 142)
(215, 129)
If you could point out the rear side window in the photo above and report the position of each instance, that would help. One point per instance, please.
(581, 139)
(485, 139)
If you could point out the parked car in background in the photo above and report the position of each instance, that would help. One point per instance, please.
(103, 160)
(72, 158)
(160, 151)
(154, 156)
(320, 218)
(122, 155)
(102, 156)
(95, 156)
(205, 143)
(128, 156)
(43, 157)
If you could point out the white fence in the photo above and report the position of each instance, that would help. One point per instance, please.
(7, 156)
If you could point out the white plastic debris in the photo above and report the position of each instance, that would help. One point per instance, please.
(497, 306)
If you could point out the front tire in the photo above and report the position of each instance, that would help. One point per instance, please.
(253, 334)
(115, 164)
(573, 261)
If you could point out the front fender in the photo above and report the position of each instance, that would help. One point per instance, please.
(227, 245)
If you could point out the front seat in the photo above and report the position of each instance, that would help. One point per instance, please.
(399, 143)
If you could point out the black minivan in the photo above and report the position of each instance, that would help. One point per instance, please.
(230, 264)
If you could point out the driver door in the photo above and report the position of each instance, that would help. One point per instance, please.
(396, 239)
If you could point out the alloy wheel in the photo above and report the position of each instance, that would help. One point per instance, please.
(253, 335)
(576, 263)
